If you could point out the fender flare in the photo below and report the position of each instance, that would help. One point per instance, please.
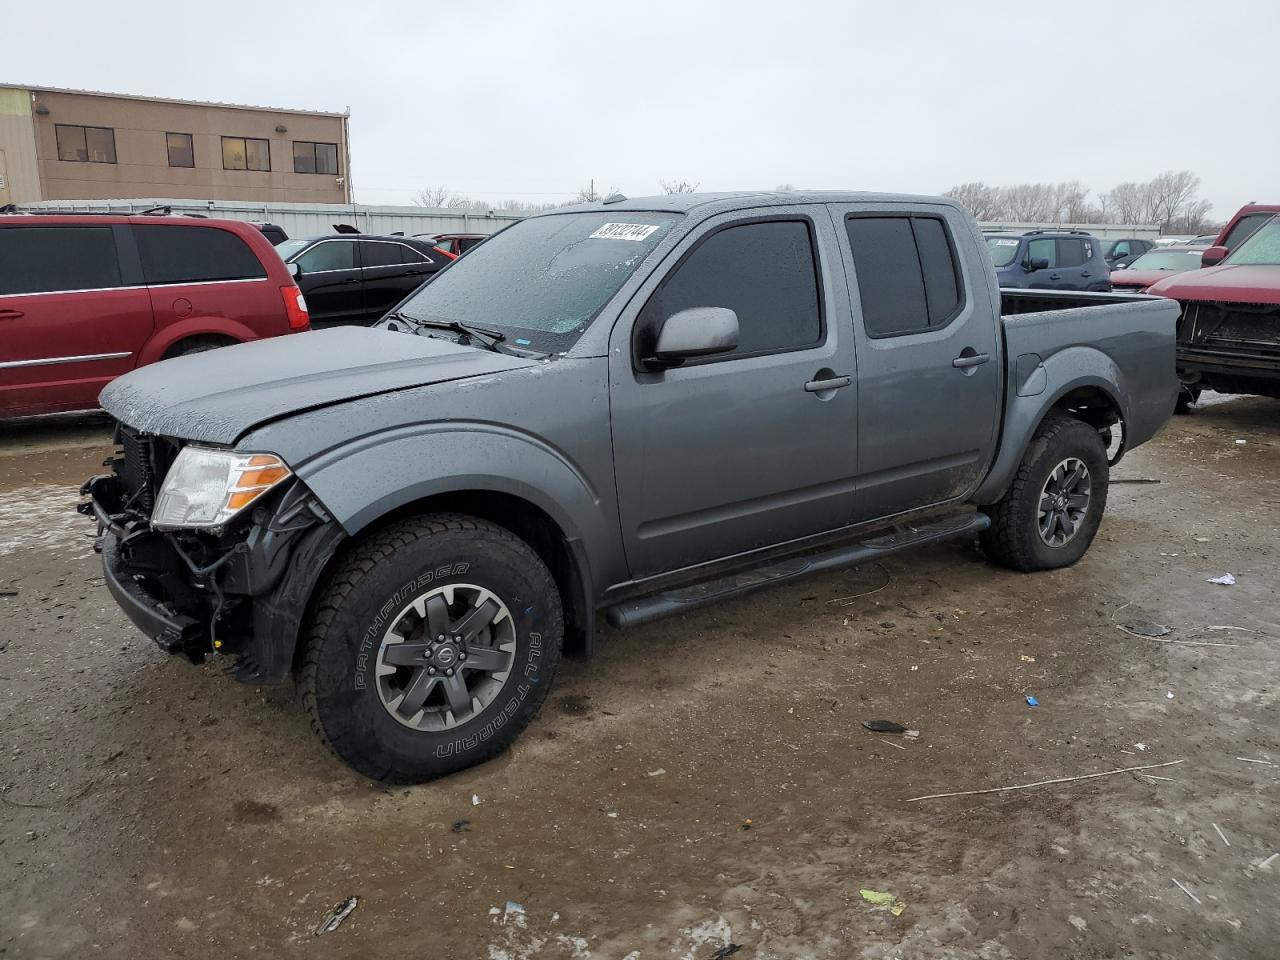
(1066, 372)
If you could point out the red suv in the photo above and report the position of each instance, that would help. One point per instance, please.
(85, 298)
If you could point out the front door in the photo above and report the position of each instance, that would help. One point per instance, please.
(929, 364)
(331, 282)
(755, 447)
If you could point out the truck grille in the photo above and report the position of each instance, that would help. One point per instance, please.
(141, 466)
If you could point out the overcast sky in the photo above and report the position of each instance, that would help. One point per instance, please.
(530, 100)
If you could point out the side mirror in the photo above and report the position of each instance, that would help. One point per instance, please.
(1040, 263)
(1213, 256)
(295, 269)
(696, 332)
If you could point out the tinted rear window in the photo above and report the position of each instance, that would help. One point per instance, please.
(907, 278)
(173, 254)
(48, 259)
(1070, 253)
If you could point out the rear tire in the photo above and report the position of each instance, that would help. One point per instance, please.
(185, 348)
(432, 646)
(1053, 508)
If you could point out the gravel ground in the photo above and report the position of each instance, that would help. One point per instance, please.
(703, 781)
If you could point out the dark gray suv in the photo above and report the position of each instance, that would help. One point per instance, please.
(1049, 260)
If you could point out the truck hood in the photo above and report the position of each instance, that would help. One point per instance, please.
(218, 395)
(1139, 278)
(1246, 283)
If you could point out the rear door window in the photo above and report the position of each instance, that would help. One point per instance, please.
(907, 276)
(380, 254)
(51, 259)
(765, 272)
(177, 254)
(410, 254)
(1070, 252)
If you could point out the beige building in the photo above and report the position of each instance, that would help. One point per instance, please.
(82, 145)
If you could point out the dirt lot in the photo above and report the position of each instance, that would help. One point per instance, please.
(153, 809)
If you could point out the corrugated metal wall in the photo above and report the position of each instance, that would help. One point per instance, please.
(1143, 231)
(304, 219)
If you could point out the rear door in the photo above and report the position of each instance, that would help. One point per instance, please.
(929, 368)
(730, 453)
(200, 277)
(1071, 268)
(390, 273)
(73, 315)
(332, 282)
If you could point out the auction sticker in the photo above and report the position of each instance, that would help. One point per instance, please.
(1005, 243)
(623, 231)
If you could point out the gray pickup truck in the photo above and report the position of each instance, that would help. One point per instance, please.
(634, 408)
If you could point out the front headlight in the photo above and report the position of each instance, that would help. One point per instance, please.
(205, 488)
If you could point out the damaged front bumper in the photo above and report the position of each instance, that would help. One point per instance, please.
(242, 593)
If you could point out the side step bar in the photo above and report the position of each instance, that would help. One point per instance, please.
(631, 613)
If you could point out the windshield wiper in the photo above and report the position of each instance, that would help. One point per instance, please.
(467, 332)
(487, 338)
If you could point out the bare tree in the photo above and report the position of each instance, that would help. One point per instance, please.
(670, 187)
(1170, 193)
(785, 188)
(982, 201)
(433, 196)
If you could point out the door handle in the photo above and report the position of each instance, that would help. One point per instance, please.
(11, 314)
(351, 280)
(831, 383)
(971, 360)
(1085, 273)
(1054, 276)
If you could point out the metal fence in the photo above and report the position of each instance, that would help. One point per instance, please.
(1104, 231)
(305, 219)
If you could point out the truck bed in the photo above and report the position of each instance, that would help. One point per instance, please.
(1067, 331)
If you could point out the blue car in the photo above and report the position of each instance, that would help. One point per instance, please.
(1049, 260)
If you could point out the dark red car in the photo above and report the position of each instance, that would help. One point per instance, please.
(1238, 229)
(85, 298)
(453, 245)
(1154, 266)
(1229, 331)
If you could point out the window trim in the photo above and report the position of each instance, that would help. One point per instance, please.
(962, 301)
(246, 168)
(84, 129)
(315, 158)
(191, 140)
(814, 247)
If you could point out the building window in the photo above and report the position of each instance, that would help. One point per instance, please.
(245, 153)
(86, 144)
(181, 152)
(311, 157)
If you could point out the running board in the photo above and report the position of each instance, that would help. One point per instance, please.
(631, 613)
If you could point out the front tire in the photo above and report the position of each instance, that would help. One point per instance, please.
(1054, 506)
(431, 648)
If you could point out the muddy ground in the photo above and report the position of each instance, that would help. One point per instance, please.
(154, 809)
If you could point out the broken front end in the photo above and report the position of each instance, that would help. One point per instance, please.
(1230, 347)
(210, 550)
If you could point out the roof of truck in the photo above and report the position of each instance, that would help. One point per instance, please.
(722, 202)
